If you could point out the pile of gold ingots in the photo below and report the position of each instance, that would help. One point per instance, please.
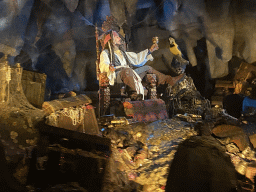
(162, 141)
(147, 164)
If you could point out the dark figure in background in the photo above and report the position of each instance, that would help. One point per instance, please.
(236, 104)
(250, 101)
(233, 104)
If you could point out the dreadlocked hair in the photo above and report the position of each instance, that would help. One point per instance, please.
(110, 47)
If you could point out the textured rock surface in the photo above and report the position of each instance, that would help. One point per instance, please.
(63, 28)
(162, 141)
(148, 164)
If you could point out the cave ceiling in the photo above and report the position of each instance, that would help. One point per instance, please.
(57, 37)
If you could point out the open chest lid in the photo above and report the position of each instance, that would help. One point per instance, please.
(58, 104)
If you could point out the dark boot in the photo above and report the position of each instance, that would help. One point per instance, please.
(174, 80)
(135, 96)
(183, 62)
(126, 76)
(161, 78)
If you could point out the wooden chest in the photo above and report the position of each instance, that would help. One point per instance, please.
(245, 72)
(78, 157)
(146, 111)
(72, 113)
(33, 84)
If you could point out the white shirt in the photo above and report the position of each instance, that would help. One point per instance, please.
(136, 59)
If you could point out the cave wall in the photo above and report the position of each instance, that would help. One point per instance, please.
(227, 26)
(57, 37)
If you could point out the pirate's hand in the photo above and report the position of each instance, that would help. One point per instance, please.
(111, 68)
(153, 48)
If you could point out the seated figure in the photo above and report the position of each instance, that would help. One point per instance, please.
(118, 64)
(250, 101)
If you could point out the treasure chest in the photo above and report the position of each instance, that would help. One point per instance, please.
(146, 111)
(73, 113)
(72, 157)
(33, 84)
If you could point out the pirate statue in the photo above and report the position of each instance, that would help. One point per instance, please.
(119, 64)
